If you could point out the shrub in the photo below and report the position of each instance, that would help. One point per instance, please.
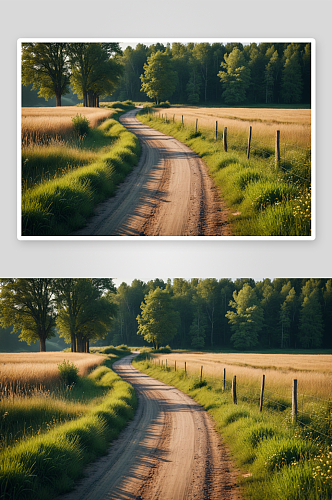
(81, 124)
(165, 104)
(68, 372)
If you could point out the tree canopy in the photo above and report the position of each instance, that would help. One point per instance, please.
(45, 66)
(159, 79)
(158, 320)
(28, 304)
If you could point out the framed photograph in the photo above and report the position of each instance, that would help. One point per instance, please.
(166, 139)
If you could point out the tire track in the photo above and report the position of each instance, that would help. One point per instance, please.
(168, 193)
(169, 451)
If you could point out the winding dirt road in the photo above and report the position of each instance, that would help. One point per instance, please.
(168, 193)
(169, 451)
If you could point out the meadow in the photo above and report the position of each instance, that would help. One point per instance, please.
(264, 197)
(72, 159)
(51, 431)
(278, 456)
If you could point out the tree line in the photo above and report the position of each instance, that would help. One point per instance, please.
(92, 70)
(79, 308)
(198, 313)
(215, 314)
(192, 73)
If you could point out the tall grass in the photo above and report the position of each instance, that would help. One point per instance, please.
(62, 204)
(28, 370)
(47, 439)
(313, 372)
(43, 125)
(263, 199)
(276, 458)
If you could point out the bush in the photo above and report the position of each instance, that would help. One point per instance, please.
(81, 125)
(165, 104)
(68, 372)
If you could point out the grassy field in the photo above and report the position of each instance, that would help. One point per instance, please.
(51, 432)
(65, 172)
(278, 458)
(41, 368)
(264, 198)
(313, 372)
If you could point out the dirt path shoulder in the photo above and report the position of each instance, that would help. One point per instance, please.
(169, 193)
(169, 451)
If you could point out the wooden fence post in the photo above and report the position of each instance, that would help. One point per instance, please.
(196, 124)
(175, 366)
(201, 372)
(277, 148)
(225, 139)
(294, 401)
(185, 367)
(166, 363)
(182, 120)
(173, 118)
(234, 390)
(216, 131)
(224, 384)
(262, 393)
(249, 141)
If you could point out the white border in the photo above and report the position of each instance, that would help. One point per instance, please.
(165, 41)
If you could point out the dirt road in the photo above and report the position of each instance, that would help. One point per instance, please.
(169, 451)
(168, 193)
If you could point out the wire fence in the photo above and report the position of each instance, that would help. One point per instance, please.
(292, 159)
(312, 413)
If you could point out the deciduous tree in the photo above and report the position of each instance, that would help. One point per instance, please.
(246, 318)
(45, 66)
(158, 320)
(235, 77)
(28, 304)
(159, 78)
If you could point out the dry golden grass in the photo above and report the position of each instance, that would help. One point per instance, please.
(42, 367)
(313, 372)
(294, 124)
(54, 122)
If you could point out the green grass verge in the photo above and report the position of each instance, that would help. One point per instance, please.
(47, 463)
(263, 200)
(62, 205)
(277, 460)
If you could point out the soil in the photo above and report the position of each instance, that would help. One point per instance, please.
(168, 193)
(169, 451)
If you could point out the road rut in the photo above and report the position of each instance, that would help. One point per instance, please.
(168, 193)
(169, 451)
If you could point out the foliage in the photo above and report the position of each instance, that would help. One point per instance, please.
(267, 313)
(28, 304)
(158, 320)
(277, 459)
(235, 77)
(246, 320)
(47, 463)
(264, 72)
(81, 124)
(262, 200)
(159, 79)
(45, 65)
(95, 70)
(68, 372)
(85, 312)
(62, 204)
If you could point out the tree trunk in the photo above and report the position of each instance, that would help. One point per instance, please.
(73, 343)
(42, 344)
(85, 99)
(58, 99)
